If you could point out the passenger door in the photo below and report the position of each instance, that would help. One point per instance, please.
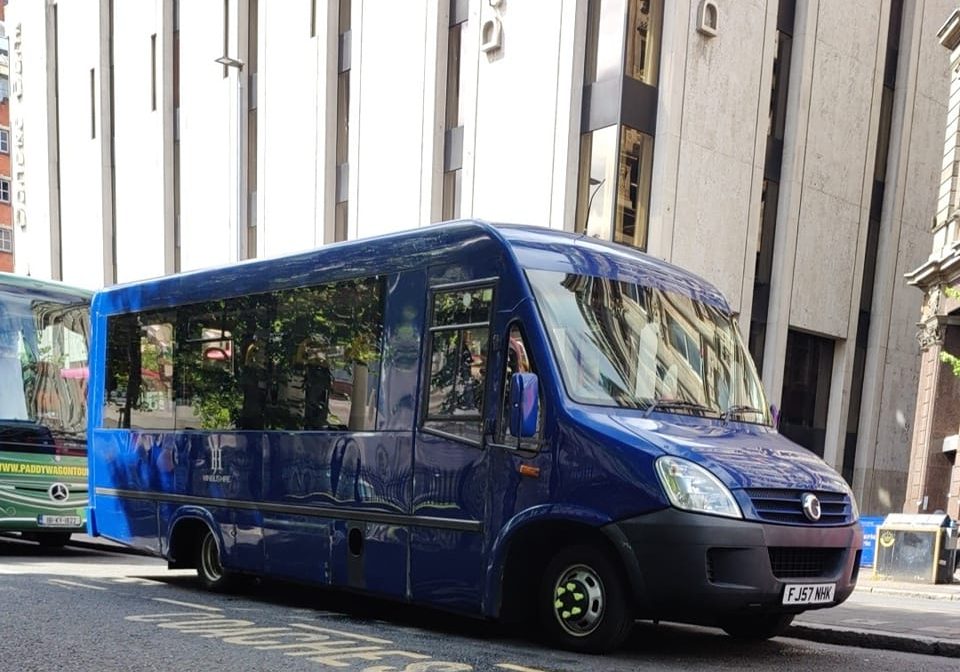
(450, 463)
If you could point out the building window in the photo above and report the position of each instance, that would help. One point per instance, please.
(808, 370)
(868, 282)
(6, 239)
(763, 270)
(773, 161)
(4, 141)
(598, 151)
(633, 188)
(4, 190)
(341, 209)
(622, 65)
(644, 21)
(604, 40)
(614, 192)
(453, 123)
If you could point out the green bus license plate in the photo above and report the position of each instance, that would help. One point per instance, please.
(59, 521)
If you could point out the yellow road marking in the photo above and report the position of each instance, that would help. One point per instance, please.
(187, 604)
(517, 668)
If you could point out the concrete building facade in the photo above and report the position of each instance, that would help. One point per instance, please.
(787, 150)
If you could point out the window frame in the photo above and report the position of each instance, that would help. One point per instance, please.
(529, 445)
(427, 367)
(5, 186)
(4, 140)
(8, 248)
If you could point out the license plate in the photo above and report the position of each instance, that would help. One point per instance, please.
(59, 521)
(808, 593)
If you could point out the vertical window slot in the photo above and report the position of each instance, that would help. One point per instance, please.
(93, 104)
(153, 72)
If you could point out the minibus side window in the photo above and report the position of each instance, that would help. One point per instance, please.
(139, 388)
(459, 340)
(305, 358)
(517, 360)
(205, 362)
(325, 352)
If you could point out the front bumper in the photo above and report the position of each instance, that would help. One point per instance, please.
(696, 568)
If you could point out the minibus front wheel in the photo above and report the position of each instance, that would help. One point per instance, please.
(582, 601)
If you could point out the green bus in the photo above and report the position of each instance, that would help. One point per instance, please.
(44, 335)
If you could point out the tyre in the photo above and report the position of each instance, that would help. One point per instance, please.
(583, 601)
(756, 626)
(210, 569)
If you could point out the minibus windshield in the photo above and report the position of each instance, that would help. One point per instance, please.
(43, 362)
(627, 345)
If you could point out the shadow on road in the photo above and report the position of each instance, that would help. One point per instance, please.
(14, 546)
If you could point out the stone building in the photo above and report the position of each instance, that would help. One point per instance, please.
(934, 479)
(787, 150)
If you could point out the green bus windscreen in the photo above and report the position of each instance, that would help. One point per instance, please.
(44, 336)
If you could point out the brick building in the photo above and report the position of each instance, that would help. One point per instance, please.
(934, 477)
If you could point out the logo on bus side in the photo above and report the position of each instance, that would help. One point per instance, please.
(216, 474)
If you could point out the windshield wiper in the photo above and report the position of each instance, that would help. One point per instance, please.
(739, 410)
(664, 404)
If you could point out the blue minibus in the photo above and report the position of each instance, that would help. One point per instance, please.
(504, 421)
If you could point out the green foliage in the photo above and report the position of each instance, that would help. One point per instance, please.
(946, 357)
(953, 362)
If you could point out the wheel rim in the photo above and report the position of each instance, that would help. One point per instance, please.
(578, 600)
(210, 559)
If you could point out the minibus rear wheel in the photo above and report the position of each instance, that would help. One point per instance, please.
(756, 626)
(210, 569)
(583, 601)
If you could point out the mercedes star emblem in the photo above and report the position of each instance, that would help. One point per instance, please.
(58, 492)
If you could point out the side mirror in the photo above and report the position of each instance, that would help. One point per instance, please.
(775, 415)
(524, 404)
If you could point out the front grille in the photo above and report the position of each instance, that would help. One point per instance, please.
(784, 506)
(805, 563)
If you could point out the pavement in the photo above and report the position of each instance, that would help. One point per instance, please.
(881, 613)
(889, 614)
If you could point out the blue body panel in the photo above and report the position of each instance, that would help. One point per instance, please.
(437, 514)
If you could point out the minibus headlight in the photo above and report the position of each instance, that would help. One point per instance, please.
(693, 488)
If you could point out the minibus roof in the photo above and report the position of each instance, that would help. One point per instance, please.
(532, 247)
(34, 287)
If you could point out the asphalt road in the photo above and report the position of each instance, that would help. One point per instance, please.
(85, 609)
